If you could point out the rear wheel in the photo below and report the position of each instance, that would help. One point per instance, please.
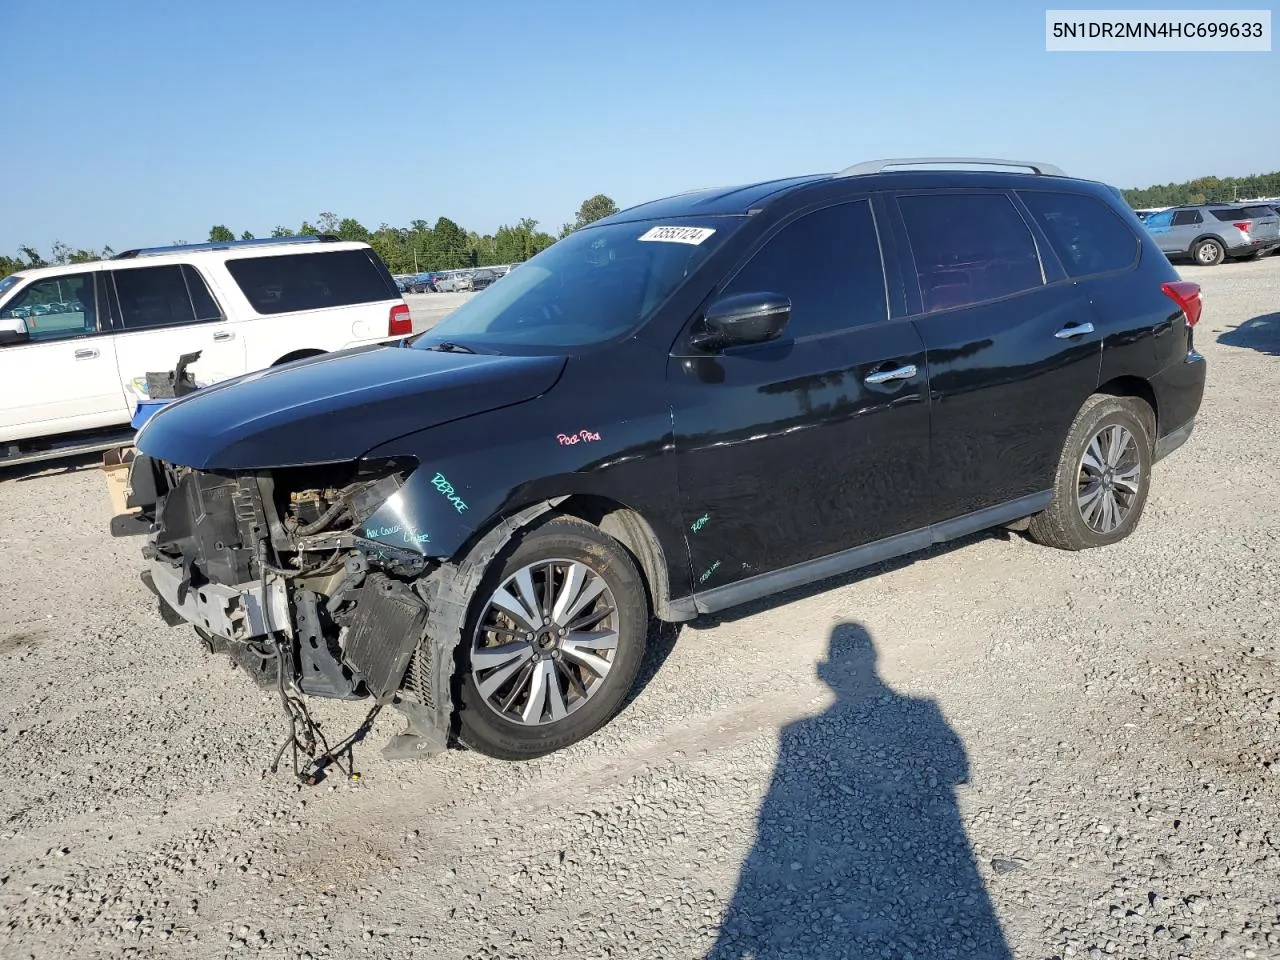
(1208, 252)
(554, 642)
(1103, 476)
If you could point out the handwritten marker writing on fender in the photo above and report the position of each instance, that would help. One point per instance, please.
(582, 436)
(445, 487)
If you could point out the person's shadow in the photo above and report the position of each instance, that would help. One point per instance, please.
(860, 850)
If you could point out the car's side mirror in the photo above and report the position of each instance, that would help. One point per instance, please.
(742, 319)
(13, 330)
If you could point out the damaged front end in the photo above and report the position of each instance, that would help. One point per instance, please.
(282, 570)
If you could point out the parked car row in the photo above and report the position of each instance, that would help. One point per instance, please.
(1209, 233)
(453, 281)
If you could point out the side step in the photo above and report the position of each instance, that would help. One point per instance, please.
(69, 448)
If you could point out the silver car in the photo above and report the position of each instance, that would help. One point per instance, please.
(453, 282)
(1212, 232)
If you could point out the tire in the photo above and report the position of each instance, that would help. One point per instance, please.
(1208, 252)
(297, 355)
(1073, 522)
(497, 714)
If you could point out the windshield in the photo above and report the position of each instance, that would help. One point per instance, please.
(594, 285)
(9, 282)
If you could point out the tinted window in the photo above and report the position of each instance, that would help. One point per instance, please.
(1085, 233)
(828, 263)
(969, 248)
(1162, 219)
(312, 281)
(56, 308)
(1259, 211)
(201, 299)
(153, 297)
(1182, 218)
(1229, 214)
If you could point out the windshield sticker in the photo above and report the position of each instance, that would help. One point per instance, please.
(693, 235)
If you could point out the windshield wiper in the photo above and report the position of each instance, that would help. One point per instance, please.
(448, 346)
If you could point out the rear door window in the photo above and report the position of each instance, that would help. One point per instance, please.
(969, 248)
(312, 281)
(206, 308)
(152, 297)
(1086, 234)
(1186, 218)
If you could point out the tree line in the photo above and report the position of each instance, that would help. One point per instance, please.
(416, 248)
(1205, 190)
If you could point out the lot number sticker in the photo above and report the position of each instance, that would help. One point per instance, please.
(694, 235)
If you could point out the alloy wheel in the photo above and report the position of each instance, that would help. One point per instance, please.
(545, 642)
(1109, 479)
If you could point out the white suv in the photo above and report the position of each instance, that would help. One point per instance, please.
(73, 337)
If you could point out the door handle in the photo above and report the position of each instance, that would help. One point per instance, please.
(1074, 330)
(222, 335)
(86, 353)
(905, 372)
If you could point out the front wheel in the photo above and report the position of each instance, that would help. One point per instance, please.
(554, 642)
(1103, 476)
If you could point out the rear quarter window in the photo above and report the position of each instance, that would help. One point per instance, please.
(1087, 235)
(1233, 213)
(312, 281)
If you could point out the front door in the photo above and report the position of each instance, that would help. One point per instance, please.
(63, 378)
(813, 443)
(1011, 357)
(166, 311)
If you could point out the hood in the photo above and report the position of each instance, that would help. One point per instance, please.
(334, 407)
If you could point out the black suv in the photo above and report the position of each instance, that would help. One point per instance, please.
(693, 403)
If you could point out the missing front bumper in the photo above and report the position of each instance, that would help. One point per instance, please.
(228, 612)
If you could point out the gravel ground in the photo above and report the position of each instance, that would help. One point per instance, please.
(992, 750)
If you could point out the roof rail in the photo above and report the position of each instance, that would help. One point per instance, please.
(224, 245)
(879, 166)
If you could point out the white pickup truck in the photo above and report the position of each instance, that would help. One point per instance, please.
(74, 337)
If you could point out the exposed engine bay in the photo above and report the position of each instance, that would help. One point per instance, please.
(277, 569)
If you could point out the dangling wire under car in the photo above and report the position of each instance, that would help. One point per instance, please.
(302, 733)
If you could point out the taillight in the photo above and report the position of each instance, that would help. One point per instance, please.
(400, 323)
(1243, 226)
(1187, 296)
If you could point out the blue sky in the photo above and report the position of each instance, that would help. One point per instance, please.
(145, 122)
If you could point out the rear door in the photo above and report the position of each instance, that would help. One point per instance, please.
(1012, 350)
(813, 443)
(64, 377)
(1186, 226)
(163, 312)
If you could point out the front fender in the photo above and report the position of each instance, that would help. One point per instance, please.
(475, 471)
